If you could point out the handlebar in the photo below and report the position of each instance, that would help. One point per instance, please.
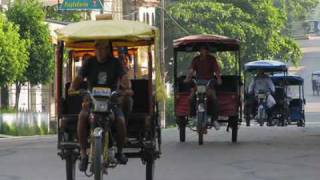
(86, 92)
(204, 82)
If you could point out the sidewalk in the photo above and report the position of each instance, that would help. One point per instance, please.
(4, 137)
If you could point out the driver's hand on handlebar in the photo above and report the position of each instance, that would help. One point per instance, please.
(72, 91)
(219, 81)
(187, 79)
(127, 92)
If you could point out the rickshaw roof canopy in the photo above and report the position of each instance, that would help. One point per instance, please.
(115, 30)
(213, 42)
(316, 73)
(288, 79)
(266, 65)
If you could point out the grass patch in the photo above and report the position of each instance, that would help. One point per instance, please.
(15, 129)
(170, 117)
(8, 110)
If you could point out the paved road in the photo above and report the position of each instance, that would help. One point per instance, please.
(267, 153)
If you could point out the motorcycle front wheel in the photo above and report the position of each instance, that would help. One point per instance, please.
(201, 126)
(97, 166)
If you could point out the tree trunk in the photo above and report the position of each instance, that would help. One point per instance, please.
(4, 96)
(18, 90)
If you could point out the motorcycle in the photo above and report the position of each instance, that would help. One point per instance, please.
(201, 108)
(102, 146)
(262, 115)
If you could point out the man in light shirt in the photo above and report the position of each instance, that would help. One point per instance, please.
(262, 82)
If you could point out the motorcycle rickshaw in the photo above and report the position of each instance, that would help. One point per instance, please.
(260, 107)
(315, 79)
(143, 123)
(228, 93)
(295, 97)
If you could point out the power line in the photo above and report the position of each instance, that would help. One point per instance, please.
(172, 18)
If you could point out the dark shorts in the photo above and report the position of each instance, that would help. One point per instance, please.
(117, 112)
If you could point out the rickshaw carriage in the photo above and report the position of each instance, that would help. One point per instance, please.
(228, 93)
(315, 79)
(143, 123)
(279, 113)
(294, 95)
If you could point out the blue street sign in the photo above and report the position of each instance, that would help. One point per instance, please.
(81, 5)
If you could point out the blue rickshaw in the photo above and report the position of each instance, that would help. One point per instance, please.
(260, 114)
(294, 97)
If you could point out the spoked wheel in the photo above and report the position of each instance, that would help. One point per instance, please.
(71, 166)
(200, 135)
(182, 128)
(234, 126)
(282, 121)
(261, 121)
(150, 163)
(97, 163)
(182, 132)
(248, 120)
(201, 127)
(301, 122)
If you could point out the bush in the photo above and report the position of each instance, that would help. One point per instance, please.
(8, 110)
(170, 118)
(15, 129)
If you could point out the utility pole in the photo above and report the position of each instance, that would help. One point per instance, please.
(162, 60)
(102, 4)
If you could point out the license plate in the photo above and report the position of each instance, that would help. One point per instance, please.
(100, 91)
(261, 96)
(100, 106)
(201, 89)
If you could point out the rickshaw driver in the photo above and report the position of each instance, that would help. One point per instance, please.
(205, 67)
(104, 70)
(262, 82)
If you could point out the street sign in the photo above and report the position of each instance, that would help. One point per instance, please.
(81, 5)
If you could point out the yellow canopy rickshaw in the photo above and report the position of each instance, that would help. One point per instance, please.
(144, 119)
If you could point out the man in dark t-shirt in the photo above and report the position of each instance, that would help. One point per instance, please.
(205, 67)
(102, 71)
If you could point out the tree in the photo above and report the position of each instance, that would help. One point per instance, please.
(257, 25)
(295, 10)
(13, 56)
(52, 13)
(29, 16)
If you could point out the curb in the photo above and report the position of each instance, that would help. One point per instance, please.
(4, 137)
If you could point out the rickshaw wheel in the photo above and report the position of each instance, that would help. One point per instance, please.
(71, 166)
(200, 127)
(234, 126)
(182, 131)
(98, 175)
(248, 120)
(181, 121)
(200, 140)
(150, 168)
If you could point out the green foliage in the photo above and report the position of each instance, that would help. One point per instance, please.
(29, 16)
(13, 53)
(52, 13)
(7, 110)
(23, 129)
(295, 10)
(258, 25)
(170, 117)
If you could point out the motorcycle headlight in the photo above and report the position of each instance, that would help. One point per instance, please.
(201, 108)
